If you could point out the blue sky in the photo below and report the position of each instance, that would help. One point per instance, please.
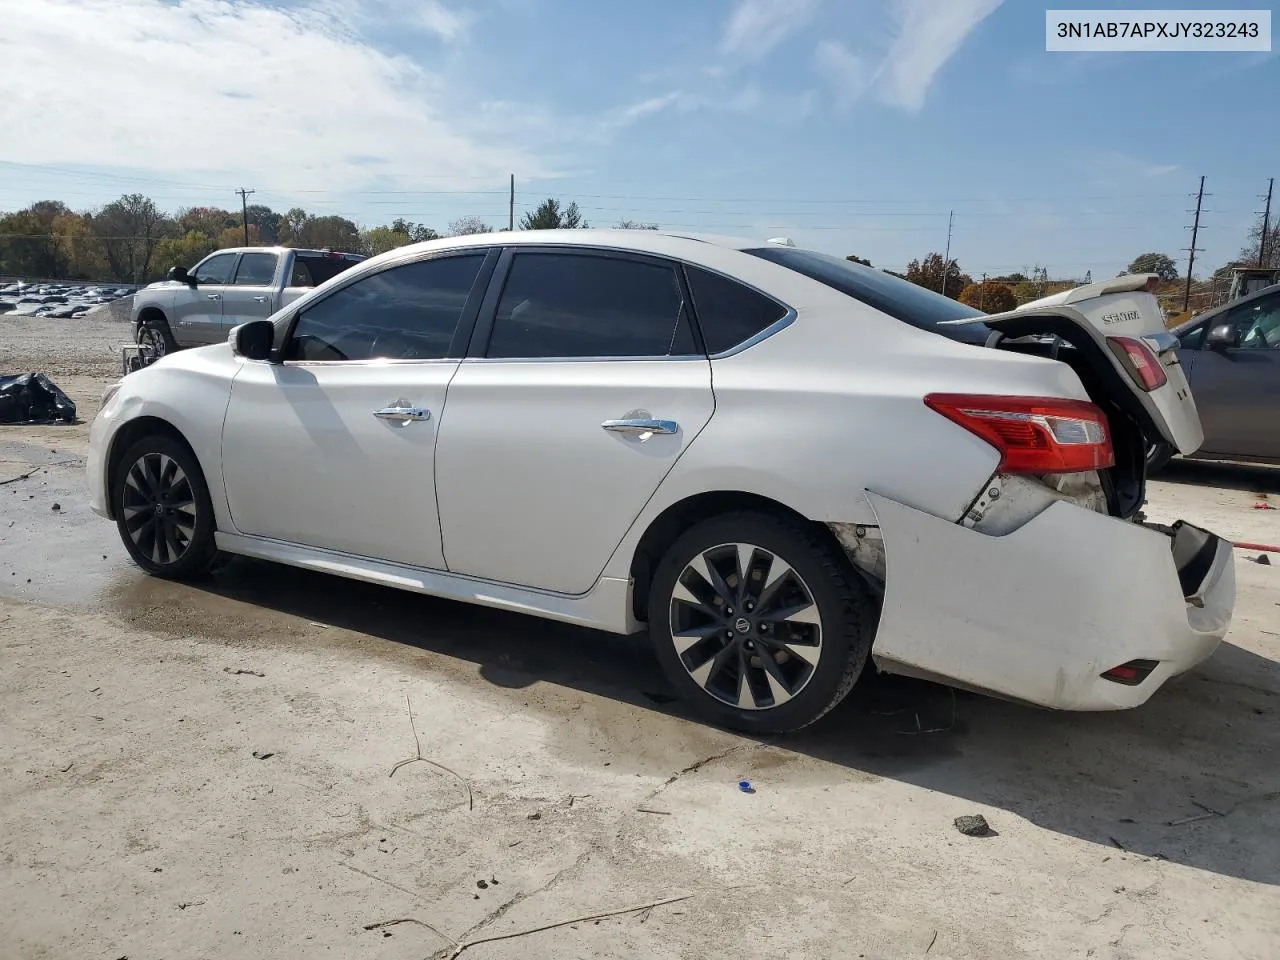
(852, 126)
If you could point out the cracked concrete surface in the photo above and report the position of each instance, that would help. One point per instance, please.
(135, 820)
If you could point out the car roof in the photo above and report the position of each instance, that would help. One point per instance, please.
(665, 242)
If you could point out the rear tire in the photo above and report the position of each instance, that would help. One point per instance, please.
(1158, 457)
(162, 509)
(766, 649)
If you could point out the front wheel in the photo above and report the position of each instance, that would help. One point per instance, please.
(163, 510)
(155, 336)
(1158, 457)
(761, 625)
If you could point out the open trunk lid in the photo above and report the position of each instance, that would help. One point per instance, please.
(1097, 319)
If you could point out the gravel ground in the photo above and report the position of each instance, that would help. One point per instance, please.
(213, 769)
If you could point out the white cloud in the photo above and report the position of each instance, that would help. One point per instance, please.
(926, 34)
(638, 111)
(847, 72)
(757, 26)
(287, 99)
(929, 33)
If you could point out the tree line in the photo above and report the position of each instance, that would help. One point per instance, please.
(131, 240)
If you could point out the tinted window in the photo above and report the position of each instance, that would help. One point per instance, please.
(256, 269)
(313, 271)
(405, 313)
(1257, 323)
(217, 269)
(728, 312)
(560, 305)
(1192, 339)
(889, 294)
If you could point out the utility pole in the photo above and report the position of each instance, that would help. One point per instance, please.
(982, 291)
(244, 211)
(1266, 225)
(511, 205)
(1191, 251)
(946, 259)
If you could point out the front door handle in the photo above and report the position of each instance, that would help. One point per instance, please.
(403, 414)
(260, 299)
(213, 296)
(642, 429)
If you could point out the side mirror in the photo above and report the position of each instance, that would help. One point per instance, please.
(253, 340)
(180, 274)
(1223, 337)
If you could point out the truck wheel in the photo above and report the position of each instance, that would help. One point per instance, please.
(758, 623)
(155, 336)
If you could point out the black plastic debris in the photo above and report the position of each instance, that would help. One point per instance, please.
(34, 398)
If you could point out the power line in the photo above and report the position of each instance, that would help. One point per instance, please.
(1266, 225)
(1192, 250)
(244, 211)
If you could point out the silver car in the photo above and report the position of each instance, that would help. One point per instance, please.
(1232, 358)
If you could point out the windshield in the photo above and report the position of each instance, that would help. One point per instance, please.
(898, 298)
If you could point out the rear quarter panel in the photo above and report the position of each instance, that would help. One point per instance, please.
(832, 407)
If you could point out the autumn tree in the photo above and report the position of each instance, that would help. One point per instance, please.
(1249, 254)
(378, 240)
(1158, 263)
(549, 216)
(266, 220)
(416, 232)
(184, 251)
(210, 221)
(129, 229)
(990, 296)
(233, 236)
(929, 273)
(465, 226)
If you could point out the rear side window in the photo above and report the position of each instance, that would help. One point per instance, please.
(898, 298)
(569, 305)
(728, 312)
(313, 271)
(256, 269)
(408, 312)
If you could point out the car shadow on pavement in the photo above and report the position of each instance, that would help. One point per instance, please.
(1254, 478)
(1190, 777)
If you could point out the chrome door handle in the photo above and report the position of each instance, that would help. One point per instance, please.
(260, 299)
(213, 296)
(642, 429)
(403, 414)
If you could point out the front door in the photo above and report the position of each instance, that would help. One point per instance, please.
(197, 310)
(250, 296)
(1237, 388)
(333, 446)
(584, 389)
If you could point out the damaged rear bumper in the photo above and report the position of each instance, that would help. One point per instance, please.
(1040, 613)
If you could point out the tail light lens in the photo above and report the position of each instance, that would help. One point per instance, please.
(1140, 361)
(1033, 434)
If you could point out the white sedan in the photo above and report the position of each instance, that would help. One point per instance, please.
(783, 465)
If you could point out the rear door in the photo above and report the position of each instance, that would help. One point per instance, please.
(197, 310)
(582, 388)
(1107, 321)
(1237, 388)
(251, 293)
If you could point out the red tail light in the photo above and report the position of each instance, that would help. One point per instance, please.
(1140, 360)
(1033, 434)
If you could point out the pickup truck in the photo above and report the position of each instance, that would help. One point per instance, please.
(200, 306)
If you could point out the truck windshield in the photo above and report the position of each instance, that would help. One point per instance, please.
(898, 298)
